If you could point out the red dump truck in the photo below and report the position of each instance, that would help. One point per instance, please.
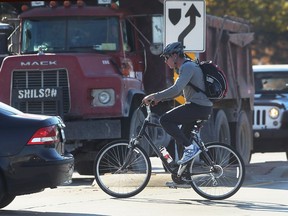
(92, 64)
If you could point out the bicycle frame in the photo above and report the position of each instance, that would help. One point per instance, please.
(143, 134)
(218, 174)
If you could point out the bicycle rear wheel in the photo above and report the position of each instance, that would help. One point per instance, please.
(119, 181)
(222, 180)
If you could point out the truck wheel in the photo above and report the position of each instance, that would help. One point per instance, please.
(136, 122)
(83, 163)
(222, 130)
(157, 134)
(244, 138)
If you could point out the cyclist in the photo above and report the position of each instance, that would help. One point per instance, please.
(197, 105)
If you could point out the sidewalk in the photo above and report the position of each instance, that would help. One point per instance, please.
(256, 172)
(260, 170)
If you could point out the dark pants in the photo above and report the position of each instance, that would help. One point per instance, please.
(183, 115)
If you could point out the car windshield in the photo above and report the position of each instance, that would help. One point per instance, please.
(70, 35)
(271, 82)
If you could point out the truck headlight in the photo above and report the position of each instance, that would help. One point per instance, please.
(103, 97)
(274, 113)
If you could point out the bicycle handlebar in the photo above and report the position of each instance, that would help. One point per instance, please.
(148, 109)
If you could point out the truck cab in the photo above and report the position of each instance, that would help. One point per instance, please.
(87, 64)
(93, 63)
(270, 123)
(5, 30)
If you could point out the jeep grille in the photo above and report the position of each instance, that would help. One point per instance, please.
(40, 79)
(262, 120)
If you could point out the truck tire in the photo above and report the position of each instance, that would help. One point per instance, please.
(222, 130)
(243, 137)
(136, 121)
(83, 162)
(157, 134)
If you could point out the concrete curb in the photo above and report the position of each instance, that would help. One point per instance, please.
(275, 170)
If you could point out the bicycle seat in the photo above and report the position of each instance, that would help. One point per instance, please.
(199, 123)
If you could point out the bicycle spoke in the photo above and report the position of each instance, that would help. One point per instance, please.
(226, 174)
(120, 172)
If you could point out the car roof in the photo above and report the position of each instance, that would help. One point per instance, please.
(269, 68)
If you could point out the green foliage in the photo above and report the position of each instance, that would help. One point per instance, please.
(264, 15)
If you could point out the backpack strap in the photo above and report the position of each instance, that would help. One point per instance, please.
(196, 88)
(190, 84)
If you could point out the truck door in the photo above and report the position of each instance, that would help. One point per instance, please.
(133, 50)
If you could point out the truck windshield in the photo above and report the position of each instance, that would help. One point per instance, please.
(272, 82)
(70, 35)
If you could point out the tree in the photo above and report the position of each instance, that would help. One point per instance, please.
(264, 15)
(268, 20)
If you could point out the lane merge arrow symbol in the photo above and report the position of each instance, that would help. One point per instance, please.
(193, 13)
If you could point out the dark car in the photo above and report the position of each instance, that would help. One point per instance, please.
(32, 155)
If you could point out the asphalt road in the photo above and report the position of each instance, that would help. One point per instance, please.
(264, 193)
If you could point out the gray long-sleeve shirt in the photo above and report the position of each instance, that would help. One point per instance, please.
(188, 72)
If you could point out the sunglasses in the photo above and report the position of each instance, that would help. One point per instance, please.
(166, 58)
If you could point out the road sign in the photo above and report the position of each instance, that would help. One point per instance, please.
(185, 21)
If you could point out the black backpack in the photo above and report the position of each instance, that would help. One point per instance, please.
(216, 86)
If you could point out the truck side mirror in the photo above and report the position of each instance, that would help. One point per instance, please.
(156, 47)
(3, 44)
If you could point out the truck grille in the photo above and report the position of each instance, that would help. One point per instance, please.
(34, 79)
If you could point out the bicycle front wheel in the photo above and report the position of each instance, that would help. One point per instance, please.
(221, 180)
(120, 171)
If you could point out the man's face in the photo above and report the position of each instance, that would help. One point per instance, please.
(169, 60)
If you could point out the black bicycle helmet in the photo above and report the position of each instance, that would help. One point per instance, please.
(175, 47)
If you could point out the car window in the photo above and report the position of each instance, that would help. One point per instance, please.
(271, 82)
(8, 110)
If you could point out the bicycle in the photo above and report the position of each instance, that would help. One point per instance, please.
(123, 168)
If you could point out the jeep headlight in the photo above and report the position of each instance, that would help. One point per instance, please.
(103, 97)
(274, 113)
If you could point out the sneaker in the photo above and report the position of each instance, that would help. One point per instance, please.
(189, 154)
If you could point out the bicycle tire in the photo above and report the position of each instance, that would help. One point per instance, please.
(225, 180)
(122, 183)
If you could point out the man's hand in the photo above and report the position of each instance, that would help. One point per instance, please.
(150, 100)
